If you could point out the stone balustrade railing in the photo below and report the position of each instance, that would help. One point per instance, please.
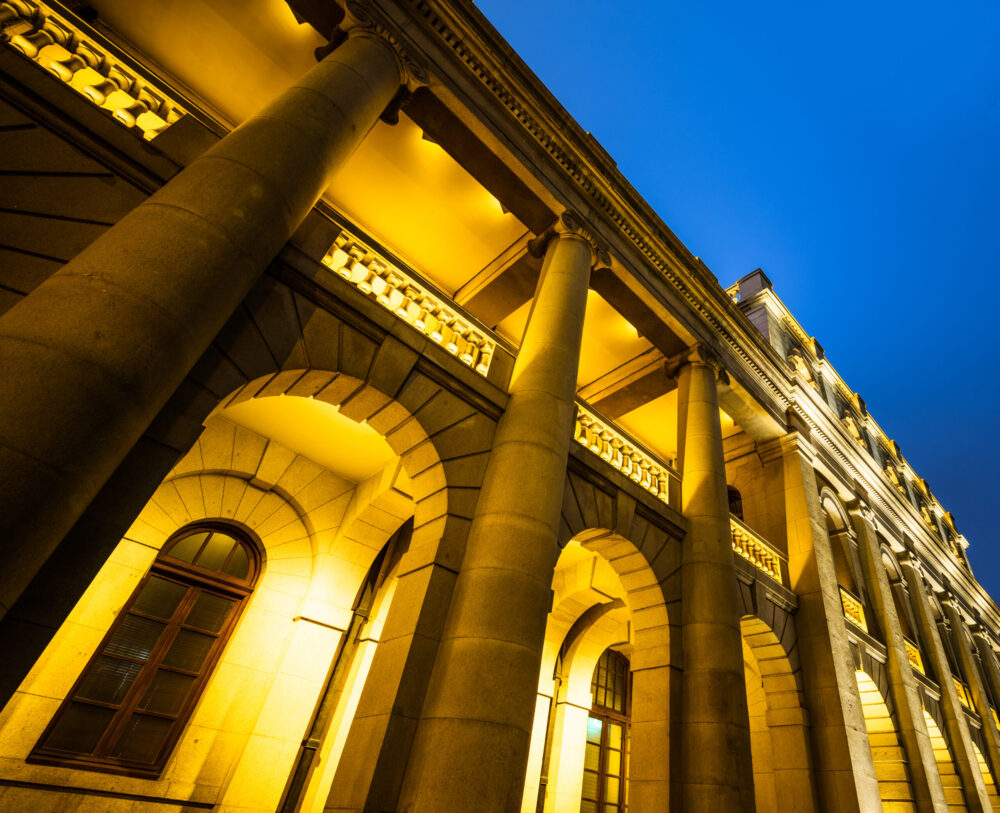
(913, 655)
(755, 550)
(624, 455)
(854, 610)
(381, 280)
(963, 692)
(49, 38)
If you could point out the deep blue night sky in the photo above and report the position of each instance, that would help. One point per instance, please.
(849, 150)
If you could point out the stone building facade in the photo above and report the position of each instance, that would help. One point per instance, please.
(367, 443)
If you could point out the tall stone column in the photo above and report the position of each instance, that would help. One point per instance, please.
(471, 747)
(928, 792)
(845, 772)
(969, 661)
(93, 353)
(716, 769)
(951, 707)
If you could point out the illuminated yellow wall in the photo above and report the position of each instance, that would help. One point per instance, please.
(320, 533)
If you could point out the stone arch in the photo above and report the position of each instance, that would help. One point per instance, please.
(890, 562)
(442, 442)
(606, 593)
(845, 556)
(837, 516)
(442, 446)
(779, 731)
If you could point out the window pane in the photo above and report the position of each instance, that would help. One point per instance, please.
(142, 739)
(80, 728)
(592, 756)
(209, 612)
(239, 564)
(614, 735)
(594, 729)
(589, 785)
(610, 808)
(611, 788)
(188, 547)
(167, 692)
(215, 551)
(108, 679)
(159, 597)
(588, 807)
(135, 637)
(189, 650)
(614, 763)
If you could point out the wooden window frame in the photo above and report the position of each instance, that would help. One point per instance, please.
(608, 714)
(191, 577)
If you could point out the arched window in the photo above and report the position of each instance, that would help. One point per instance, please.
(129, 705)
(605, 771)
(735, 502)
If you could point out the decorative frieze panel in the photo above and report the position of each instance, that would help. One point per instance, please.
(609, 445)
(755, 550)
(380, 280)
(46, 36)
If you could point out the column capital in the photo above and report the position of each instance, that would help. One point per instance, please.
(947, 599)
(909, 557)
(862, 509)
(697, 354)
(362, 20)
(570, 224)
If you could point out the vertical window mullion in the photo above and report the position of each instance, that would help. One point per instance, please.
(145, 678)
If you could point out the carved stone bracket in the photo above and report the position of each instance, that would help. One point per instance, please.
(862, 509)
(697, 354)
(570, 223)
(362, 20)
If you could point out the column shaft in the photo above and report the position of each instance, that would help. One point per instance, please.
(93, 353)
(925, 779)
(951, 707)
(716, 767)
(471, 746)
(970, 667)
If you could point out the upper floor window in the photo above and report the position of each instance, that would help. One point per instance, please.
(129, 705)
(735, 502)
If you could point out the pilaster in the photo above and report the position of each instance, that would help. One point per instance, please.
(951, 707)
(928, 792)
(845, 771)
(969, 661)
